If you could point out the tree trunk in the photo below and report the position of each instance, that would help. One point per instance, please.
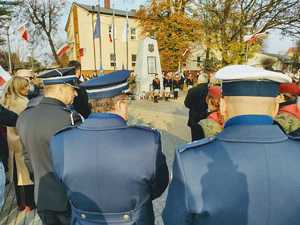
(206, 62)
(53, 49)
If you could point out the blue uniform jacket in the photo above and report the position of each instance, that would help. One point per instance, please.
(111, 171)
(247, 175)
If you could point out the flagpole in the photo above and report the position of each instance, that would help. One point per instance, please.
(100, 37)
(95, 67)
(9, 51)
(127, 26)
(114, 41)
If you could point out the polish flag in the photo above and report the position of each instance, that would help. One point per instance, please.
(252, 38)
(110, 35)
(24, 34)
(4, 77)
(62, 50)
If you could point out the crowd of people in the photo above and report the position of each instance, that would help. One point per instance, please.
(73, 157)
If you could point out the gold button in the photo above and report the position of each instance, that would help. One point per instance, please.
(126, 217)
(83, 216)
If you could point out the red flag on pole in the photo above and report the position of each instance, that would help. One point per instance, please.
(62, 50)
(24, 34)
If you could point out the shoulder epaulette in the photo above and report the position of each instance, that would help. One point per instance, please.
(197, 143)
(64, 129)
(144, 128)
(295, 138)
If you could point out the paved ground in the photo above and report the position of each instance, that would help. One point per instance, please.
(168, 117)
(171, 119)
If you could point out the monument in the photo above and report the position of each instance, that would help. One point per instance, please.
(147, 66)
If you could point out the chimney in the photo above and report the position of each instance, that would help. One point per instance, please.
(107, 4)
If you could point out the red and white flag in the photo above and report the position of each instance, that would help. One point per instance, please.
(254, 37)
(4, 77)
(63, 50)
(110, 35)
(24, 34)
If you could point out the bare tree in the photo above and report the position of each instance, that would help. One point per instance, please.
(226, 22)
(44, 16)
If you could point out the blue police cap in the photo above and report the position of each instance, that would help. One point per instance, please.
(108, 85)
(60, 76)
(244, 80)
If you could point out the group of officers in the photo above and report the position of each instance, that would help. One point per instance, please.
(99, 170)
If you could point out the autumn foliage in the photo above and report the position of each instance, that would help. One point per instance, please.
(173, 29)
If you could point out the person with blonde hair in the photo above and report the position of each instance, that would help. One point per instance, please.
(15, 99)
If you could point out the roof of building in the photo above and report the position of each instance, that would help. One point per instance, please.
(105, 11)
(293, 50)
(131, 13)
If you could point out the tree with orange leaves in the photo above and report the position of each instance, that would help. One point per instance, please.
(174, 30)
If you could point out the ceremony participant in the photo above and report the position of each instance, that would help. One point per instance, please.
(195, 101)
(36, 126)
(248, 173)
(119, 169)
(289, 115)
(156, 88)
(7, 118)
(176, 85)
(15, 99)
(81, 101)
(167, 86)
(189, 81)
(213, 124)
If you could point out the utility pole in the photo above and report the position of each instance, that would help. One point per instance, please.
(114, 41)
(100, 37)
(9, 51)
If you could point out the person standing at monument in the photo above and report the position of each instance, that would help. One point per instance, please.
(115, 180)
(195, 101)
(156, 88)
(241, 176)
(167, 86)
(176, 85)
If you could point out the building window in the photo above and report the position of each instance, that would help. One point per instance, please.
(132, 33)
(112, 60)
(133, 60)
(198, 61)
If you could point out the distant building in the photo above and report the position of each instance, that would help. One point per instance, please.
(81, 25)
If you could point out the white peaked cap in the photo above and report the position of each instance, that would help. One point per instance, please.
(250, 73)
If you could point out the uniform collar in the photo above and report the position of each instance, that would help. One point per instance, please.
(53, 101)
(103, 121)
(252, 128)
(249, 120)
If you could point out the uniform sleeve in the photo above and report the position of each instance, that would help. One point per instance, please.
(81, 103)
(161, 174)
(188, 99)
(56, 154)
(7, 118)
(176, 209)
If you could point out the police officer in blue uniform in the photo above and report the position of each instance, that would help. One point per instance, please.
(36, 126)
(111, 171)
(249, 173)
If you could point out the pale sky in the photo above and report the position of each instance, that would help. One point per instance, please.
(275, 43)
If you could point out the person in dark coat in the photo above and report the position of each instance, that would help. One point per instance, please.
(195, 101)
(81, 101)
(36, 126)
(112, 171)
(176, 85)
(167, 85)
(241, 176)
(156, 88)
(7, 118)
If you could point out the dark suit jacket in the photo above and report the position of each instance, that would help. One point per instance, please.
(36, 126)
(196, 102)
(81, 103)
(7, 118)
